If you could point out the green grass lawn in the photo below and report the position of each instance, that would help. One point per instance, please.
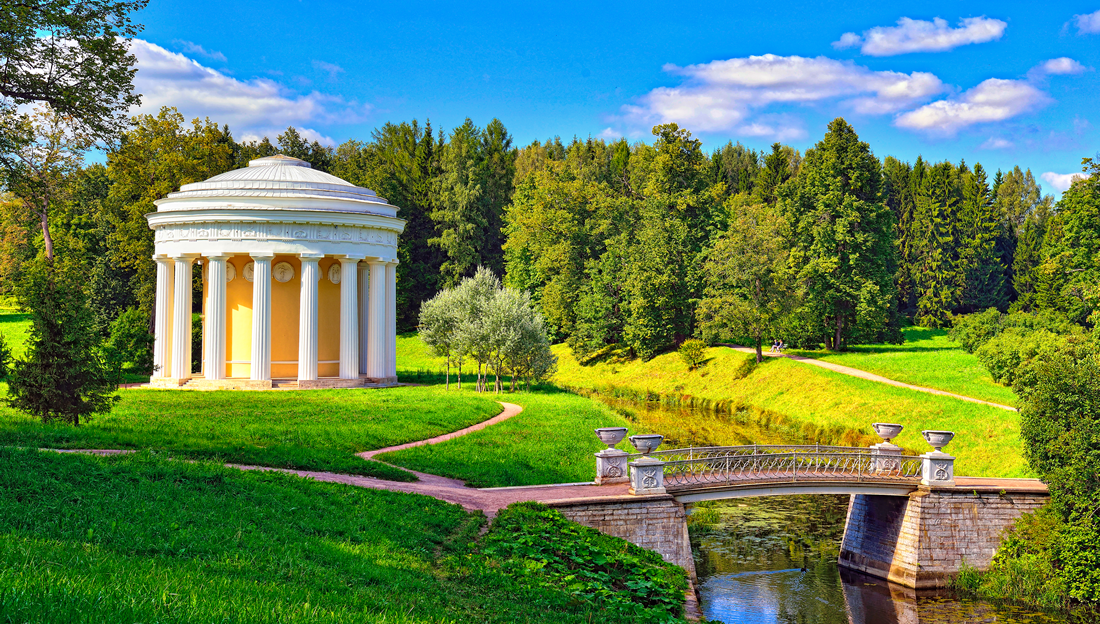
(15, 327)
(550, 441)
(809, 404)
(929, 358)
(144, 539)
(309, 429)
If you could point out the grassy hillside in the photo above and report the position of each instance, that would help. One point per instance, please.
(314, 429)
(86, 540)
(929, 358)
(800, 399)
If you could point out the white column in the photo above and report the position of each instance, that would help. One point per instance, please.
(307, 318)
(376, 346)
(364, 318)
(163, 321)
(391, 320)
(261, 316)
(215, 317)
(181, 318)
(349, 318)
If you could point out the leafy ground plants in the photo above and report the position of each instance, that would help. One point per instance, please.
(139, 538)
(537, 542)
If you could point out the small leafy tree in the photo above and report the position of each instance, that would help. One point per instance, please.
(693, 352)
(439, 321)
(746, 293)
(64, 374)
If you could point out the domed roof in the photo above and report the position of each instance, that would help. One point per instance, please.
(276, 177)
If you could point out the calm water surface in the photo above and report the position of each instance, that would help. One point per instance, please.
(773, 560)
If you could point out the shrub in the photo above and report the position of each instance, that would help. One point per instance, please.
(130, 343)
(1010, 349)
(974, 330)
(693, 352)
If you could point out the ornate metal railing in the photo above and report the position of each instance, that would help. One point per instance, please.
(713, 467)
(710, 452)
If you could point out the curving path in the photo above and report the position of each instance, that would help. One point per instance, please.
(862, 374)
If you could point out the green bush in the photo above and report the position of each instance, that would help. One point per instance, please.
(973, 330)
(1012, 348)
(130, 343)
(693, 352)
(534, 540)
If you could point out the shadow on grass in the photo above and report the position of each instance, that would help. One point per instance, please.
(20, 317)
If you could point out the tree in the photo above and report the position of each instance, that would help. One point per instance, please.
(842, 240)
(746, 288)
(459, 209)
(63, 375)
(39, 172)
(73, 56)
(980, 227)
(937, 277)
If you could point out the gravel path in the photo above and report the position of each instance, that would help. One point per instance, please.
(862, 374)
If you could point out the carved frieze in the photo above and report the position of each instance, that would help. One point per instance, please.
(284, 232)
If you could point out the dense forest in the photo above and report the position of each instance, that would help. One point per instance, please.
(641, 245)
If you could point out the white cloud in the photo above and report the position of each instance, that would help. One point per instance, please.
(912, 35)
(996, 143)
(252, 108)
(608, 134)
(193, 48)
(331, 69)
(722, 95)
(1088, 24)
(1061, 181)
(992, 100)
(1061, 66)
(848, 40)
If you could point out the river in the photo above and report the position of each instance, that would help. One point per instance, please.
(773, 560)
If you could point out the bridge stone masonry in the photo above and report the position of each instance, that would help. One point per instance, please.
(910, 520)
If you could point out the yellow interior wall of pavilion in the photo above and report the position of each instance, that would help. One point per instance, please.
(328, 322)
(285, 315)
(238, 320)
(285, 312)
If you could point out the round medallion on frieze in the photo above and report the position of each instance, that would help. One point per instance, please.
(334, 273)
(283, 272)
(250, 271)
(230, 272)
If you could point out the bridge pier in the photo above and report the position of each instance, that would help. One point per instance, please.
(921, 540)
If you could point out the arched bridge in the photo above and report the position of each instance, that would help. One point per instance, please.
(908, 520)
(696, 474)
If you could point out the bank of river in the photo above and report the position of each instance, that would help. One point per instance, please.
(773, 560)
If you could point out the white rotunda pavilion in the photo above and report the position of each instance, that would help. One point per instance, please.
(299, 280)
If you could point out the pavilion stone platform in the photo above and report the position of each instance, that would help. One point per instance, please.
(299, 281)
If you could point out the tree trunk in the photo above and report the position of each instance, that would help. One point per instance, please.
(46, 238)
(839, 326)
(460, 373)
(448, 372)
(759, 350)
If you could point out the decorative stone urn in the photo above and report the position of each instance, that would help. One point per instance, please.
(887, 454)
(938, 439)
(887, 431)
(611, 435)
(938, 468)
(646, 444)
(611, 462)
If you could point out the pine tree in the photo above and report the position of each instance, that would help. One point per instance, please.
(980, 227)
(937, 280)
(459, 210)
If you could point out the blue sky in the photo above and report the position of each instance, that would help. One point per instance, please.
(1002, 83)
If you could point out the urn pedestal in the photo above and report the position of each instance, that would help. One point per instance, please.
(647, 476)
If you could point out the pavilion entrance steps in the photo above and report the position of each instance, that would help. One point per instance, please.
(198, 382)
